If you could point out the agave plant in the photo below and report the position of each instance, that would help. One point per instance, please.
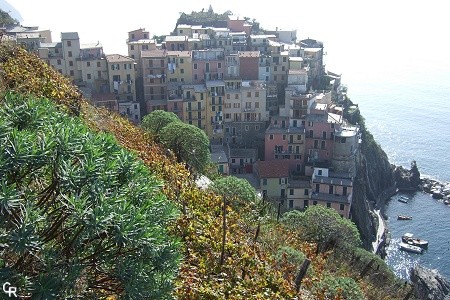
(80, 217)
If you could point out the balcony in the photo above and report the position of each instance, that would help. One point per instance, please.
(195, 109)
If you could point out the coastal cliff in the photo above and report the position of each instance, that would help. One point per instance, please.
(374, 182)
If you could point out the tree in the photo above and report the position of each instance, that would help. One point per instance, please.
(80, 217)
(236, 190)
(157, 120)
(323, 226)
(189, 144)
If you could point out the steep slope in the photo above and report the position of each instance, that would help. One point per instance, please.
(249, 268)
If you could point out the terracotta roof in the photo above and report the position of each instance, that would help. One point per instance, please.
(154, 53)
(273, 169)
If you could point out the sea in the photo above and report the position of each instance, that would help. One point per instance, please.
(405, 100)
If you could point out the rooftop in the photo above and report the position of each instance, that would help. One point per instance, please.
(330, 197)
(176, 38)
(69, 36)
(154, 53)
(248, 53)
(91, 46)
(118, 58)
(179, 53)
(273, 169)
(333, 181)
(241, 152)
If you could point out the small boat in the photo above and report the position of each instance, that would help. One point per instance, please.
(402, 217)
(403, 199)
(410, 248)
(410, 240)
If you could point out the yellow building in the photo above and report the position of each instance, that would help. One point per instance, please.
(195, 101)
(179, 66)
(121, 77)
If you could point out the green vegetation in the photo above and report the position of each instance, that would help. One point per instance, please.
(80, 215)
(236, 190)
(260, 258)
(189, 143)
(155, 121)
(205, 18)
(323, 226)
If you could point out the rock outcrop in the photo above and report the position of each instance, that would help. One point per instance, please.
(430, 284)
(407, 180)
(374, 183)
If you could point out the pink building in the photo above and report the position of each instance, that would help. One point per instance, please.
(208, 65)
(237, 24)
(285, 142)
(249, 65)
(320, 130)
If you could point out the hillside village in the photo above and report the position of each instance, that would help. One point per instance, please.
(264, 99)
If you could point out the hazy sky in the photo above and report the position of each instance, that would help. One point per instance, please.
(382, 30)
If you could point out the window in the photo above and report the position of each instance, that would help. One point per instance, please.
(195, 76)
(195, 66)
(316, 144)
(69, 54)
(72, 73)
(132, 47)
(291, 204)
(58, 62)
(314, 202)
(181, 60)
(275, 68)
(98, 64)
(236, 105)
(69, 43)
(271, 137)
(341, 206)
(264, 181)
(219, 65)
(249, 94)
(182, 71)
(322, 145)
(88, 64)
(70, 63)
(330, 189)
(284, 60)
(306, 192)
(319, 172)
(344, 191)
(88, 76)
(267, 69)
(305, 203)
(291, 192)
(256, 127)
(324, 135)
(284, 137)
(99, 74)
(328, 204)
(236, 96)
(228, 96)
(247, 128)
(256, 94)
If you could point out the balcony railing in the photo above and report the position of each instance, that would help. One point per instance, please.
(195, 109)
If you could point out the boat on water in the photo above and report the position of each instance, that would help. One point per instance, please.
(403, 217)
(410, 248)
(403, 199)
(409, 239)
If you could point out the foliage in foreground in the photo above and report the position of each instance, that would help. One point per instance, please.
(80, 216)
(250, 270)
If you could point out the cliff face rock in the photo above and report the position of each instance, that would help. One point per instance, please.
(430, 284)
(407, 180)
(374, 183)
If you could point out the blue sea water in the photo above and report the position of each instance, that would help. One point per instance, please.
(406, 107)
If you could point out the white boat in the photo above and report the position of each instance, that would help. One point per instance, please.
(403, 199)
(403, 217)
(410, 248)
(408, 238)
